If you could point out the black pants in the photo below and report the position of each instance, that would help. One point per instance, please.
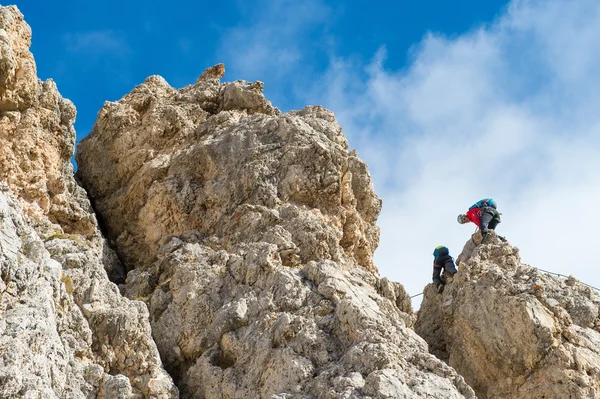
(449, 269)
(489, 219)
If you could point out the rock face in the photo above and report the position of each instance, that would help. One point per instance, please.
(66, 331)
(37, 138)
(219, 160)
(513, 331)
(44, 350)
(249, 234)
(47, 343)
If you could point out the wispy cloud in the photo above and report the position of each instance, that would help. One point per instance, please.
(185, 45)
(279, 38)
(99, 42)
(509, 110)
(103, 50)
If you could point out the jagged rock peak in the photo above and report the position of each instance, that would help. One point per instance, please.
(219, 160)
(250, 235)
(513, 331)
(214, 72)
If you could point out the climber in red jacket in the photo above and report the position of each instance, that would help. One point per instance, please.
(484, 214)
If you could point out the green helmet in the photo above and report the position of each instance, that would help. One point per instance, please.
(440, 250)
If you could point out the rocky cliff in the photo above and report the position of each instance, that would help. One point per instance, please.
(65, 330)
(246, 236)
(513, 331)
(242, 240)
(37, 137)
(249, 233)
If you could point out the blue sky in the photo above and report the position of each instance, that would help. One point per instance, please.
(448, 102)
(99, 51)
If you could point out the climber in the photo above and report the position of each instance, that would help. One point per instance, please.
(484, 214)
(442, 260)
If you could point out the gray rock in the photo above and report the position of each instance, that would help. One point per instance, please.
(66, 331)
(512, 331)
(250, 235)
(44, 340)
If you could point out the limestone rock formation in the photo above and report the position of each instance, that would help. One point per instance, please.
(513, 331)
(221, 161)
(249, 233)
(37, 137)
(44, 344)
(47, 345)
(66, 331)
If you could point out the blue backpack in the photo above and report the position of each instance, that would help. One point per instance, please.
(486, 202)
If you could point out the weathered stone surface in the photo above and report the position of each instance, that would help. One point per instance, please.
(513, 331)
(250, 234)
(219, 160)
(253, 328)
(66, 330)
(162, 162)
(121, 341)
(41, 329)
(45, 341)
(37, 138)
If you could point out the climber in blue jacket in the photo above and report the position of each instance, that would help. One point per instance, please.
(442, 260)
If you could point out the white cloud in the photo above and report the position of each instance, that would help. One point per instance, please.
(509, 110)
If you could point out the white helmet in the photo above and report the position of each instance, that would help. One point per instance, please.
(462, 219)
